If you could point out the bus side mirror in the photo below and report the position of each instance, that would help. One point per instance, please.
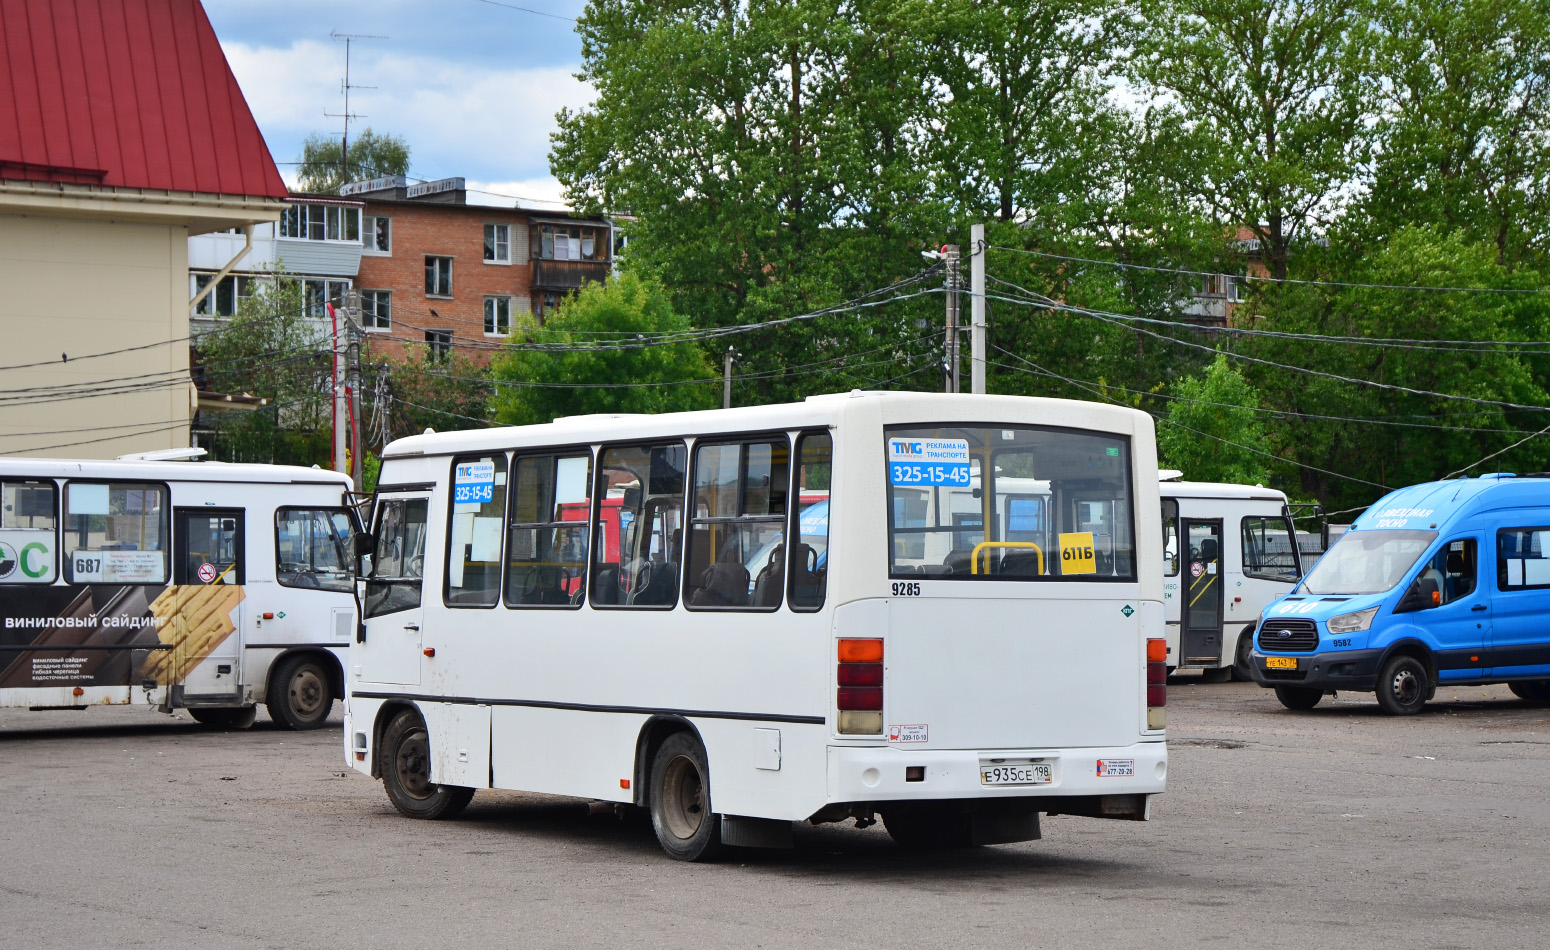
(1411, 600)
(365, 545)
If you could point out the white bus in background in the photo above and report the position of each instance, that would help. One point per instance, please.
(927, 607)
(1229, 550)
(203, 586)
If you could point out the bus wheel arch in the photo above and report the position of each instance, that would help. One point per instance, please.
(405, 765)
(657, 730)
(386, 713)
(303, 685)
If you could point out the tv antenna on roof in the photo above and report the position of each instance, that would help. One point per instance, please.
(345, 87)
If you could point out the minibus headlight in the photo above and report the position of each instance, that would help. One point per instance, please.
(1352, 622)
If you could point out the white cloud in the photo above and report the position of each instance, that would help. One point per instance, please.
(544, 194)
(488, 124)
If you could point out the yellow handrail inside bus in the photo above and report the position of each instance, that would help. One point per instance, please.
(974, 558)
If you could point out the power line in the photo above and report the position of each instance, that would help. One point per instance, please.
(513, 6)
(1283, 413)
(1268, 279)
(1180, 425)
(1120, 320)
(1532, 435)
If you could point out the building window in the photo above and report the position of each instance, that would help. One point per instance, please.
(377, 235)
(497, 316)
(438, 277)
(560, 242)
(377, 309)
(321, 223)
(440, 343)
(497, 244)
(547, 302)
(226, 299)
(317, 293)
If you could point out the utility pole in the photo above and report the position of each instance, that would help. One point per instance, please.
(726, 379)
(977, 309)
(950, 256)
(347, 115)
(353, 386)
(341, 417)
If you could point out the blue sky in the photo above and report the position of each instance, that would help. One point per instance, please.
(472, 85)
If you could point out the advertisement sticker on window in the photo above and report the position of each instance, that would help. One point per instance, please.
(928, 462)
(473, 483)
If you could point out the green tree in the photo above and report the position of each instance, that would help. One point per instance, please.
(422, 391)
(325, 167)
(1274, 94)
(1212, 432)
(1465, 130)
(272, 350)
(573, 373)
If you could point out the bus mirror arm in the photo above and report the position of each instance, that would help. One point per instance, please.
(1413, 599)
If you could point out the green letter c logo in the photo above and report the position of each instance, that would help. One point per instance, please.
(34, 546)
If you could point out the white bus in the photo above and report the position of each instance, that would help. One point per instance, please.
(1228, 551)
(923, 606)
(198, 585)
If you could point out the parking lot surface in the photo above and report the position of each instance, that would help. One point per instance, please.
(1340, 827)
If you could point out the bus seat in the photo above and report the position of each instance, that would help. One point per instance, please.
(605, 588)
(767, 585)
(1208, 549)
(957, 562)
(1020, 563)
(724, 583)
(807, 578)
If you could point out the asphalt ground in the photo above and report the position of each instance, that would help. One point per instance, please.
(1341, 827)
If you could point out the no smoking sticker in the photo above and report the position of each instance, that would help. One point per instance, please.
(206, 573)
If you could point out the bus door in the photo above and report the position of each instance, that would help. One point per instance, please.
(211, 607)
(392, 606)
(1201, 605)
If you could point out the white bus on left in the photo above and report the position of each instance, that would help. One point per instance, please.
(204, 586)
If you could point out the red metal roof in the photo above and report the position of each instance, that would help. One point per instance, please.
(125, 93)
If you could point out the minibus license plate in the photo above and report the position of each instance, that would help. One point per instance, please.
(1015, 773)
(1280, 663)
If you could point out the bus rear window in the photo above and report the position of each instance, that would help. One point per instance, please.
(1009, 503)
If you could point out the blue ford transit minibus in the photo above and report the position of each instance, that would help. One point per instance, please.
(1440, 583)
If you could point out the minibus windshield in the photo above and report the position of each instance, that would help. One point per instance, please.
(1367, 562)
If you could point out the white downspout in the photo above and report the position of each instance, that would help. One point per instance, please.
(221, 274)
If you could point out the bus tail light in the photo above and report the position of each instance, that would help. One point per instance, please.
(859, 692)
(1156, 684)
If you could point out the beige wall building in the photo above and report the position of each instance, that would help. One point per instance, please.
(107, 165)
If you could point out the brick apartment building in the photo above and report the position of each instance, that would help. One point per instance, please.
(442, 273)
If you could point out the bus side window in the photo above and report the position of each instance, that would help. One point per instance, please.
(809, 572)
(1170, 526)
(546, 553)
(641, 490)
(737, 550)
(398, 565)
(312, 548)
(474, 536)
(28, 542)
(116, 533)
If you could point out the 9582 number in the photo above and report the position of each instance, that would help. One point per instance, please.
(906, 589)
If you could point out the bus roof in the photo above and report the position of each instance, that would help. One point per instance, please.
(815, 411)
(170, 471)
(1219, 490)
(1431, 505)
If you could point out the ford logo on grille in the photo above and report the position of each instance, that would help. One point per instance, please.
(1284, 634)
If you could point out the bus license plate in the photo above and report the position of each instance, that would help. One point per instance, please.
(1280, 663)
(1015, 773)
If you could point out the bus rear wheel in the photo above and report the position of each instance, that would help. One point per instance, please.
(1243, 664)
(680, 800)
(1535, 691)
(1299, 697)
(406, 773)
(224, 717)
(299, 694)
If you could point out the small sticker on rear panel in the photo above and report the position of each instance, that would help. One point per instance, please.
(913, 733)
(1116, 768)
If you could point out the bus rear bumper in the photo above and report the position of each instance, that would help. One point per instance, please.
(872, 774)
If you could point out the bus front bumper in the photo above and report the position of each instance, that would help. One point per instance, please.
(873, 774)
(1354, 670)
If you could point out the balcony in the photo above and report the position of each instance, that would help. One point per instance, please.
(567, 275)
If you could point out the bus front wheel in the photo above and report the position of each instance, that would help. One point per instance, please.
(680, 800)
(1299, 697)
(407, 773)
(1403, 686)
